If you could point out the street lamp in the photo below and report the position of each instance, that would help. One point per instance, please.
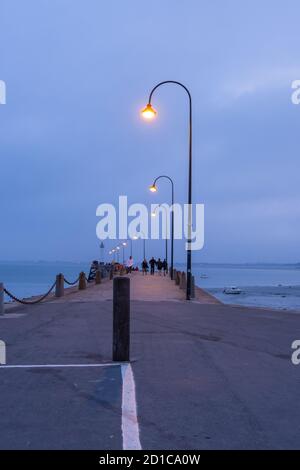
(153, 189)
(123, 245)
(153, 214)
(149, 113)
(144, 243)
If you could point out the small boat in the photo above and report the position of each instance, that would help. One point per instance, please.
(232, 290)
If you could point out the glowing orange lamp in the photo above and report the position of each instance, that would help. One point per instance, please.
(149, 112)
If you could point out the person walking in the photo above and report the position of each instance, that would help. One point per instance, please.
(165, 266)
(145, 267)
(129, 265)
(159, 266)
(152, 263)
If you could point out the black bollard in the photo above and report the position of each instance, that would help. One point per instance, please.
(121, 319)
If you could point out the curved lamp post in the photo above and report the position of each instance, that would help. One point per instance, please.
(153, 214)
(149, 113)
(144, 243)
(131, 249)
(153, 189)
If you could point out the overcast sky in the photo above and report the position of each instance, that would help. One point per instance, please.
(77, 73)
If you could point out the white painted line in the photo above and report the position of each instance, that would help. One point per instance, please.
(39, 366)
(9, 316)
(130, 426)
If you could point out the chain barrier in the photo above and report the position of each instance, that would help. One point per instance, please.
(71, 283)
(29, 302)
(32, 302)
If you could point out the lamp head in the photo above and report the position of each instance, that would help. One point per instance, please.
(153, 188)
(148, 112)
(153, 214)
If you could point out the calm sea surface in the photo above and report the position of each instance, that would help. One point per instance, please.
(26, 279)
(275, 286)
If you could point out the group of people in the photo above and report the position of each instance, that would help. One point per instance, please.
(162, 266)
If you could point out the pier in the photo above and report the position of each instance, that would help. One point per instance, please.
(201, 374)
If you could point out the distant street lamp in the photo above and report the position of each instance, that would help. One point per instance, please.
(153, 189)
(131, 249)
(144, 243)
(149, 113)
(153, 214)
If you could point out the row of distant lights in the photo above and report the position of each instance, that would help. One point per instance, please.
(148, 113)
(115, 250)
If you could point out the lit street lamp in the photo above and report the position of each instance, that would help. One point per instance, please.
(149, 113)
(153, 189)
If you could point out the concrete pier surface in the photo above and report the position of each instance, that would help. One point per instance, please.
(202, 375)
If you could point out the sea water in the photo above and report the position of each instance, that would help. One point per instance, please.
(35, 278)
(272, 285)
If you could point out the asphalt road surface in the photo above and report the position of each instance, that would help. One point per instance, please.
(204, 376)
